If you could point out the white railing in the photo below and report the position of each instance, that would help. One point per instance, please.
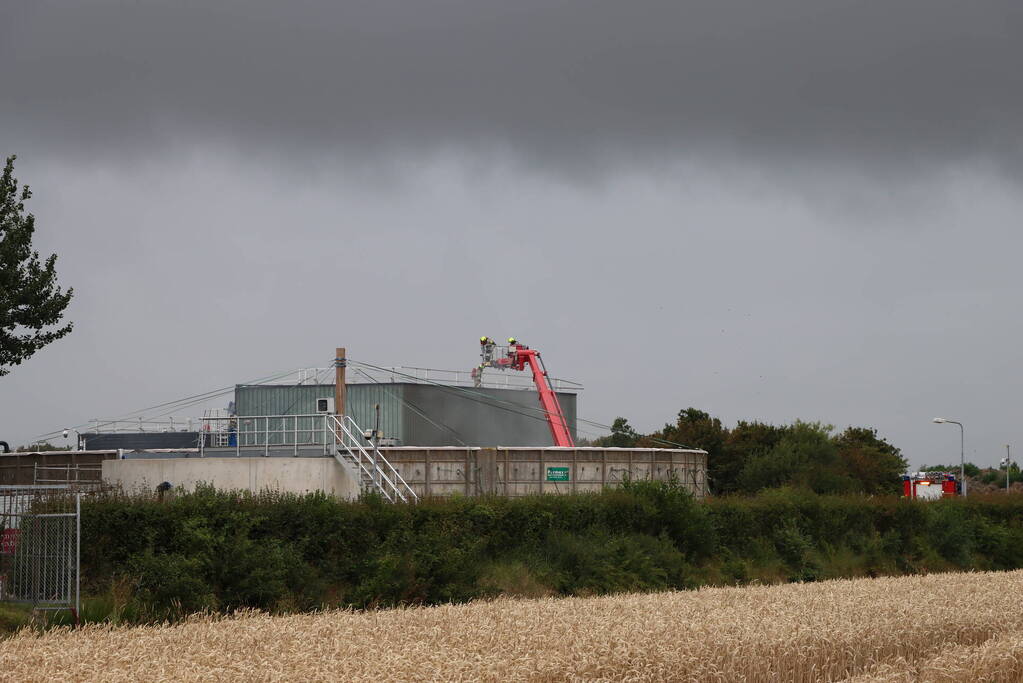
(373, 468)
(265, 432)
(493, 379)
(337, 435)
(67, 474)
(141, 424)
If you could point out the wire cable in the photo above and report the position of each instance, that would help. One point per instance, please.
(493, 401)
(411, 405)
(177, 404)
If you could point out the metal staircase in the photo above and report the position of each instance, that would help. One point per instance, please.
(375, 472)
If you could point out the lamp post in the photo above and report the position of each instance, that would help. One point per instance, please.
(962, 449)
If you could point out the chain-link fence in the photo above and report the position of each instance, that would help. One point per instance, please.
(40, 529)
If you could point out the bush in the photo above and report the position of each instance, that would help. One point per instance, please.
(213, 550)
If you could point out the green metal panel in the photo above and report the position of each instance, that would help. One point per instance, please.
(274, 399)
(415, 414)
(479, 417)
(360, 402)
(279, 399)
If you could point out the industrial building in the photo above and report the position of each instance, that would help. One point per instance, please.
(417, 407)
(405, 433)
(418, 414)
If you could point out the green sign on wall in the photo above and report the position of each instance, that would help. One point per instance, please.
(557, 474)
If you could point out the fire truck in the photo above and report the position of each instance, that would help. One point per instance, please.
(930, 485)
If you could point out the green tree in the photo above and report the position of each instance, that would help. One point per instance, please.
(31, 303)
(871, 460)
(747, 440)
(694, 429)
(970, 469)
(622, 435)
(805, 457)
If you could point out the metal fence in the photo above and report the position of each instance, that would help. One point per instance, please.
(40, 546)
(269, 432)
(69, 473)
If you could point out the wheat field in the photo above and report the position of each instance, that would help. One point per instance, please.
(941, 627)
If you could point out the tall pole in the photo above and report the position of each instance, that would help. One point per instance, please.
(1008, 462)
(962, 450)
(962, 456)
(340, 362)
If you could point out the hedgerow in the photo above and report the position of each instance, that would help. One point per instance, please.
(221, 551)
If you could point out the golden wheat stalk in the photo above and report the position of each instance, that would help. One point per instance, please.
(942, 627)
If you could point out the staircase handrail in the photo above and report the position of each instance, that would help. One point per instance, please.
(343, 422)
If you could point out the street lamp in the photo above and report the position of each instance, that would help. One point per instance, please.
(962, 450)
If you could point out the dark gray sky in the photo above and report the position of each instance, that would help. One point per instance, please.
(795, 209)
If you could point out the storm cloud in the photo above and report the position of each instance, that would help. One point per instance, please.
(572, 85)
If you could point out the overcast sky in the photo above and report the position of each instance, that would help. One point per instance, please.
(768, 210)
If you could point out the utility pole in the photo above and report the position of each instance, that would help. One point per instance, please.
(1008, 463)
(340, 362)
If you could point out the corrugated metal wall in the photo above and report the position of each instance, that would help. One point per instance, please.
(418, 414)
(360, 400)
(301, 400)
(279, 399)
(479, 417)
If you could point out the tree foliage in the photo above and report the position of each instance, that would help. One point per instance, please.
(969, 468)
(871, 460)
(622, 435)
(754, 456)
(31, 302)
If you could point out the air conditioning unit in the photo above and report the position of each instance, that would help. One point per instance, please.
(325, 406)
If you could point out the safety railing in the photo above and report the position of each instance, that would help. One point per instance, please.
(361, 374)
(268, 433)
(79, 475)
(140, 425)
(374, 470)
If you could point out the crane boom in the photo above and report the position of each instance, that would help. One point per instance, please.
(517, 357)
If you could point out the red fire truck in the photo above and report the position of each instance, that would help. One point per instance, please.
(930, 485)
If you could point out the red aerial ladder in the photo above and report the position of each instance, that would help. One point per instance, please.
(517, 356)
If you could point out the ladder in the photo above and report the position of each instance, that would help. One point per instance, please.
(375, 472)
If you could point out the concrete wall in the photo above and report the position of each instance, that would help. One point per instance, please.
(292, 475)
(441, 471)
(515, 472)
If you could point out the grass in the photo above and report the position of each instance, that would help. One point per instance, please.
(949, 627)
(13, 617)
